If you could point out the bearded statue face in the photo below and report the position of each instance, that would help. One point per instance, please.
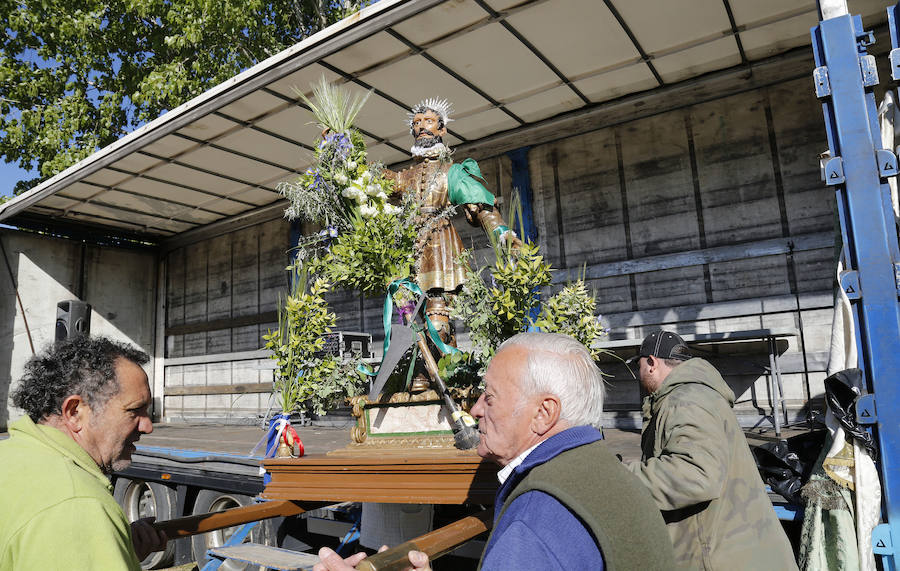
(427, 129)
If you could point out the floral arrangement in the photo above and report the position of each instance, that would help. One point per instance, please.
(306, 376)
(367, 242)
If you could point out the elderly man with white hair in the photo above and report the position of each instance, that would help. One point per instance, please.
(565, 501)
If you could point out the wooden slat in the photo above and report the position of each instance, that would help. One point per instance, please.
(219, 324)
(736, 252)
(218, 292)
(202, 523)
(434, 544)
(245, 288)
(195, 296)
(407, 477)
(220, 389)
(220, 358)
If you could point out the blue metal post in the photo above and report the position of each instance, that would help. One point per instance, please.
(521, 182)
(858, 169)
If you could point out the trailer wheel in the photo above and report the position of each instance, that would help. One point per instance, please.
(144, 499)
(214, 501)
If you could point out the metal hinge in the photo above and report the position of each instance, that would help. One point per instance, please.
(895, 63)
(850, 284)
(887, 162)
(865, 410)
(869, 71)
(834, 171)
(823, 84)
(881, 540)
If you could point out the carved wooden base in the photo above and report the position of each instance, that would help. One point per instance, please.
(400, 425)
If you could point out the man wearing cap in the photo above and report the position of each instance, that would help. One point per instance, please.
(698, 467)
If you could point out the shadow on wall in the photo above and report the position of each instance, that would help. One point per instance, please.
(118, 283)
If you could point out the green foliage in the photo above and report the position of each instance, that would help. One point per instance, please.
(303, 375)
(495, 313)
(518, 279)
(373, 252)
(460, 370)
(473, 306)
(571, 312)
(77, 75)
(334, 107)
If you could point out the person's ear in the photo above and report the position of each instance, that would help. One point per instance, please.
(650, 361)
(73, 413)
(547, 414)
(442, 130)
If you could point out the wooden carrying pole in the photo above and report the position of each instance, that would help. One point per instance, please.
(192, 525)
(434, 544)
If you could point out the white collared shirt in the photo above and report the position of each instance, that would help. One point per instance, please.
(504, 472)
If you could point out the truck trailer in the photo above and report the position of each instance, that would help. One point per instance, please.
(671, 153)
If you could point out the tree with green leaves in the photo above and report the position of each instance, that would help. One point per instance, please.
(76, 75)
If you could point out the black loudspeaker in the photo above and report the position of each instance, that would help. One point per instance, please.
(73, 318)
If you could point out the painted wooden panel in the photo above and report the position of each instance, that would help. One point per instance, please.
(175, 301)
(800, 135)
(735, 177)
(245, 287)
(219, 292)
(659, 185)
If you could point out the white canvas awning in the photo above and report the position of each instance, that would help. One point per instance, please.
(504, 64)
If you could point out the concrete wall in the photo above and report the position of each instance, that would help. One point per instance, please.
(119, 284)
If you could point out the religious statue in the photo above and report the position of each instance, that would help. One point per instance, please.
(385, 232)
(437, 183)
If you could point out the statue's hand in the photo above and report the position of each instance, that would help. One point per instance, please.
(514, 242)
(472, 211)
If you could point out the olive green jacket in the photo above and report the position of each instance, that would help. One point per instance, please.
(57, 509)
(699, 469)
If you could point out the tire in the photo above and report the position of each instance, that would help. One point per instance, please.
(144, 499)
(214, 501)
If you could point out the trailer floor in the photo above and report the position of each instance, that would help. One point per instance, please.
(321, 439)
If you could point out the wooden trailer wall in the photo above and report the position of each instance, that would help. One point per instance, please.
(706, 218)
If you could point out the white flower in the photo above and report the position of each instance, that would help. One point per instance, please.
(372, 189)
(367, 210)
(392, 210)
(366, 176)
(341, 178)
(351, 165)
(349, 192)
(381, 195)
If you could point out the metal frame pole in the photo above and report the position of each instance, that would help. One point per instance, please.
(844, 78)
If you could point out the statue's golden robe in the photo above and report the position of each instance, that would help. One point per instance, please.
(439, 268)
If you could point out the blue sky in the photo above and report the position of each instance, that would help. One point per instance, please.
(10, 174)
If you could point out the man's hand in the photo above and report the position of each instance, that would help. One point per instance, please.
(146, 538)
(331, 561)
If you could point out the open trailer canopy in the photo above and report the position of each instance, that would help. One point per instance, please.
(504, 64)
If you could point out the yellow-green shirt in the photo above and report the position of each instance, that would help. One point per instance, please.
(56, 506)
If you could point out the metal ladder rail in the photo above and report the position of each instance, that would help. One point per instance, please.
(845, 76)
